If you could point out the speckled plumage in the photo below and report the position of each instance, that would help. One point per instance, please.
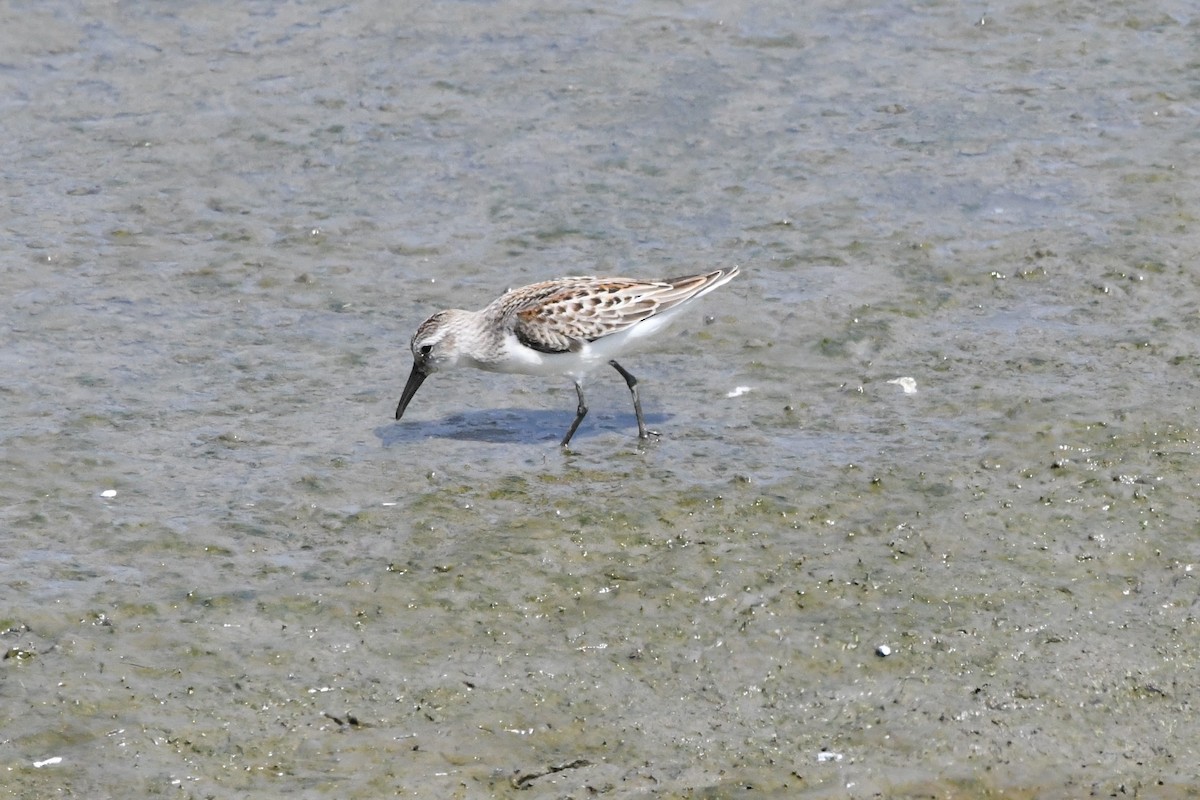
(567, 326)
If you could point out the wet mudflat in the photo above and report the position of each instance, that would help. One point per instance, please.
(227, 570)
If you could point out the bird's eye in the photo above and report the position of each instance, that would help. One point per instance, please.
(425, 350)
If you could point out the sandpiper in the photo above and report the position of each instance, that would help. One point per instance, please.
(565, 327)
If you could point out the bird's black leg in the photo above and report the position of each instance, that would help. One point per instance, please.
(631, 382)
(580, 413)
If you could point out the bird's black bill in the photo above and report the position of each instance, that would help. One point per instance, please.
(415, 379)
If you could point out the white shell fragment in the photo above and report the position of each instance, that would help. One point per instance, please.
(109, 493)
(883, 651)
(909, 385)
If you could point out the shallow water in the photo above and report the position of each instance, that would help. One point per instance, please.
(224, 222)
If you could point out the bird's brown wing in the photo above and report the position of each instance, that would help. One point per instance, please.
(558, 316)
(561, 315)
